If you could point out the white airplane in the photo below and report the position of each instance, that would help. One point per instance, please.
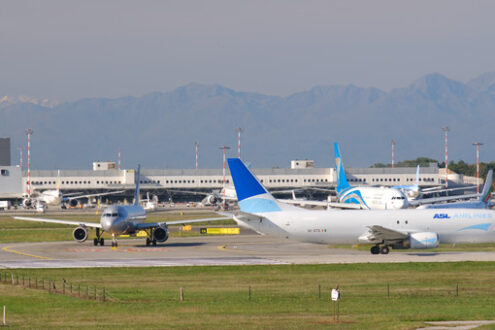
(56, 197)
(385, 229)
(360, 197)
(121, 220)
(483, 201)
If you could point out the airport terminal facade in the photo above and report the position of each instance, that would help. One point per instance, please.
(165, 183)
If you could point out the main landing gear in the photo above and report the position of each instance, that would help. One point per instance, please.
(98, 239)
(376, 249)
(150, 240)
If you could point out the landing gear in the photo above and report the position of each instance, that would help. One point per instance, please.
(150, 240)
(376, 249)
(114, 241)
(98, 239)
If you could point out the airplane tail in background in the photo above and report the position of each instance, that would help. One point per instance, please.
(137, 180)
(486, 194)
(342, 182)
(416, 182)
(252, 196)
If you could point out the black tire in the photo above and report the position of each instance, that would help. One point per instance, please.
(102, 241)
(384, 250)
(147, 242)
(95, 242)
(154, 242)
(375, 249)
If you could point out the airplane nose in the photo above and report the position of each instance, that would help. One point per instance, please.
(106, 224)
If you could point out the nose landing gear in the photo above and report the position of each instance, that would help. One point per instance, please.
(114, 241)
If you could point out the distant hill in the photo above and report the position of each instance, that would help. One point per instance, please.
(159, 129)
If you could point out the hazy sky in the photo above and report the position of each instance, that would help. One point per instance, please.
(67, 50)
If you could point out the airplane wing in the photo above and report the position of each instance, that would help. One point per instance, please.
(383, 233)
(149, 225)
(423, 201)
(64, 222)
(92, 195)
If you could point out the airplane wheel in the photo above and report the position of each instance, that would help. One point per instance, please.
(95, 241)
(375, 249)
(102, 241)
(384, 250)
(154, 242)
(147, 242)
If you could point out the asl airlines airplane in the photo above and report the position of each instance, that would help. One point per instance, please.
(121, 220)
(385, 229)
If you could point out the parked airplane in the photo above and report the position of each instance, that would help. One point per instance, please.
(483, 201)
(121, 220)
(56, 197)
(385, 229)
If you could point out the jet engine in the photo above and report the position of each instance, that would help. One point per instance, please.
(73, 202)
(80, 234)
(27, 203)
(211, 199)
(424, 240)
(160, 234)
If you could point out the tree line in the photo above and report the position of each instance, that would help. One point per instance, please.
(460, 167)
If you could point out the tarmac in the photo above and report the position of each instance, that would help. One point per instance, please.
(245, 249)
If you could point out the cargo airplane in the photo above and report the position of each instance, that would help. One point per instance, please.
(121, 220)
(384, 229)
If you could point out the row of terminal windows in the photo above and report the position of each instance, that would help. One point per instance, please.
(398, 180)
(183, 181)
(40, 183)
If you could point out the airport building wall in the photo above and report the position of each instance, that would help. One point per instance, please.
(5, 152)
(11, 182)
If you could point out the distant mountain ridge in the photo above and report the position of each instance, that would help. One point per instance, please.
(158, 129)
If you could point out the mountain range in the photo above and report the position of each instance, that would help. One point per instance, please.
(159, 129)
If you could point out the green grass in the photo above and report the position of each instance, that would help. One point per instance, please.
(16, 231)
(283, 297)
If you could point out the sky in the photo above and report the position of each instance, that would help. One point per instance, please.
(66, 50)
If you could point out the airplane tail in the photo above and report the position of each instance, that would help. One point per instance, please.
(137, 180)
(252, 196)
(342, 182)
(416, 182)
(58, 181)
(486, 194)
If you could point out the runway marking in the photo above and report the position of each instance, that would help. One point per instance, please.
(222, 247)
(8, 249)
(130, 249)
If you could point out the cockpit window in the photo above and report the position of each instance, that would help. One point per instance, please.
(107, 214)
(115, 214)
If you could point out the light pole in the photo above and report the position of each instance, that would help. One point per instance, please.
(224, 148)
(196, 147)
(477, 144)
(446, 131)
(393, 153)
(29, 132)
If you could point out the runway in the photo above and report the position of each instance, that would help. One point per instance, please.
(249, 249)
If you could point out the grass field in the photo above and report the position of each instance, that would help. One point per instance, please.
(15, 231)
(283, 297)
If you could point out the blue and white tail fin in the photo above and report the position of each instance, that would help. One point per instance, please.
(342, 182)
(252, 196)
(137, 180)
(486, 194)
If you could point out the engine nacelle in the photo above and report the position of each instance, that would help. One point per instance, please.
(160, 234)
(27, 203)
(212, 199)
(73, 202)
(80, 234)
(425, 240)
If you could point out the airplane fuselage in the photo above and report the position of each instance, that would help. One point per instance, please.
(345, 227)
(374, 198)
(119, 220)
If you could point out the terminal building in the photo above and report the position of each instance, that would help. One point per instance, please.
(171, 183)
